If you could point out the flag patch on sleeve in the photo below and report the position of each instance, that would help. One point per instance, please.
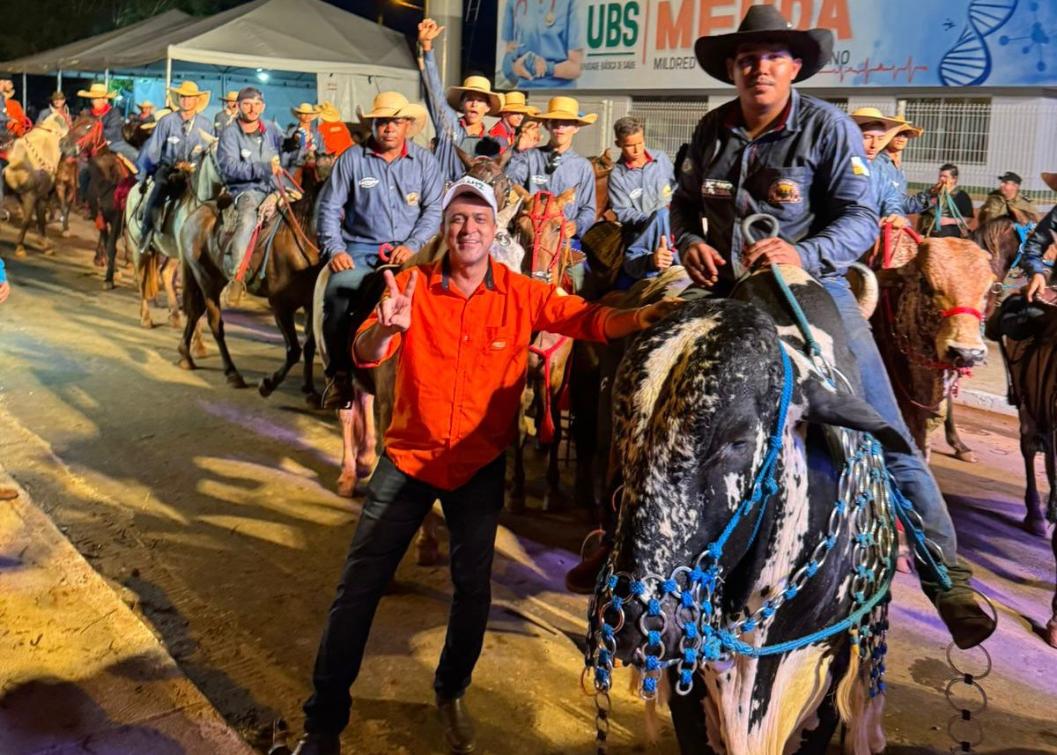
(858, 166)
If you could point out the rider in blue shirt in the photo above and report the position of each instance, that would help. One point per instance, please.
(1041, 239)
(380, 205)
(543, 43)
(640, 190)
(303, 137)
(458, 114)
(179, 137)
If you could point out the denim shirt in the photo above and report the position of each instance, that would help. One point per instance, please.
(367, 200)
(1038, 242)
(447, 123)
(810, 173)
(174, 140)
(530, 170)
(636, 193)
(884, 190)
(912, 203)
(245, 160)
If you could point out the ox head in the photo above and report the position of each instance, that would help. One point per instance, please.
(956, 276)
(696, 400)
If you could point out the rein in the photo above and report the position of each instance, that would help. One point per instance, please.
(547, 428)
(538, 215)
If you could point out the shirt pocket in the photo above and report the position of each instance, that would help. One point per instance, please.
(782, 192)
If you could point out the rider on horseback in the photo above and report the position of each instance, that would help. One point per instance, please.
(380, 205)
(227, 114)
(813, 176)
(179, 138)
(57, 104)
(303, 137)
(885, 195)
(251, 158)
(511, 116)
(1008, 201)
(640, 190)
(145, 114)
(12, 120)
(1044, 236)
(111, 123)
(458, 117)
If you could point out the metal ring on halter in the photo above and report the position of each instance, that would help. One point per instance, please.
(759, 217)
(959, 709)
(957, 719)
(961, 673)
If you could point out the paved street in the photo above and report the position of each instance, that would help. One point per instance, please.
(212, 512)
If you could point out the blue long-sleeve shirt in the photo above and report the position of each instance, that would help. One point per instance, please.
(306, 141)
(912, 203)
(245, 160)
(367, 200)
(530, 170)
(1044, 235)
(174, 140)
(810, 173)
(885, 195)
(447, 123)
(636, 193)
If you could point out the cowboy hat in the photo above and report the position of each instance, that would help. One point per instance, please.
(1050, 179)
(189, 89)
(395, 105)
(96, 92)
(57, 95)
(563, 108)
(145, 103)
(516, 102)
(305, 108)
(329, 112)
(865, 115)
(232, 96)
(765, 24)
(913, 132)
(477, 85)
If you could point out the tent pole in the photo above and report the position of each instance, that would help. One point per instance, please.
(106, 77)
(58, 80)
(168, 70)
(23, 90)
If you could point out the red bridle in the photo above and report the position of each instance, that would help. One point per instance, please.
(93, 140)
(962, 311)
(543, 209)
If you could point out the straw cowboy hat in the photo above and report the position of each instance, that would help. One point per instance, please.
(765, 24)
(189, 89)
(96, 92)
(563, 108)
(57, 95)
(1050, 179)
(517, 102)
(145, 103)
(395, 105)
(912, 131)
(478, 85)
(329, 112)
(305, 108)
(231, 96)
(866, 115)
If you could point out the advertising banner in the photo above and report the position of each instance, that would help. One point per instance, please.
(649, 44)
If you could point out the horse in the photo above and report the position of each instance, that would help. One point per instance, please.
(927, 328)
(736, 447)
(110, 179)
(282, 267)
(32, 164)
(1030, 359)
(191, 185)
(603, 166)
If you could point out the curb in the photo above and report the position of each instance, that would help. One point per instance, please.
(990, 402)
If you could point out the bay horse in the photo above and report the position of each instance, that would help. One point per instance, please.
(33, 161)
(282, 268)
(110, 179)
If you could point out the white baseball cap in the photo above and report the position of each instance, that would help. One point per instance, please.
(470, 185)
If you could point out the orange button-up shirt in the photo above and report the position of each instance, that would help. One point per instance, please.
(461, 370)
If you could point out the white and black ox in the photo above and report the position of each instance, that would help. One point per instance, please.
(695, 402)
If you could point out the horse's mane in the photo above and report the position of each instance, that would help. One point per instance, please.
(998, 238)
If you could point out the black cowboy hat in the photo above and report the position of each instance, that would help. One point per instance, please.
(765, 24)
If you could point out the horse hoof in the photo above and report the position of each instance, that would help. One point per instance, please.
(235, 381)
(314, 400)
(99, 262)
(967, 456)
(109, 285)
(1035, 525)
(20, 251)
(427, 554)
(186, 364)
(265, 387)
(346, 487)
(1051, 631)
(199, 350)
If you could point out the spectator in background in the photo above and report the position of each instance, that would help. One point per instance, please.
(303, 137)
(228, 113)
(145, 114)
(511, 116)
(12, 117)
(948, 224)
(57, 104)
(1007, 201)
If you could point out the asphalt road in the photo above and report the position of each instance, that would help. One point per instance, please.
(212, 511)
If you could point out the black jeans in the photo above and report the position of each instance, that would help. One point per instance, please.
(395, 507)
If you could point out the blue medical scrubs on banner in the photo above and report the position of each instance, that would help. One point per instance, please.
(549, 29)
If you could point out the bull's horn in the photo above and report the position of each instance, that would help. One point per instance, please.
(866, 291)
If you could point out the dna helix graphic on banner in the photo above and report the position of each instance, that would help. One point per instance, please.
(968, 62)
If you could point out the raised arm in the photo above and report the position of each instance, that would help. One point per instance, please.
(445, 119)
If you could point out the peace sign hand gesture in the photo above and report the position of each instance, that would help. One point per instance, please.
(394, 310)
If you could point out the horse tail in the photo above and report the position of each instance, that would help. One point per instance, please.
(151, 280)
(851, 694)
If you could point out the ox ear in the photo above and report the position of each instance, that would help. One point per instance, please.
(825, 407)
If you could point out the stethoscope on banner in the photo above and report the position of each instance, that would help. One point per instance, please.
(549, 19)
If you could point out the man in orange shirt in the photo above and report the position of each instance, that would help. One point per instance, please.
(463, 327)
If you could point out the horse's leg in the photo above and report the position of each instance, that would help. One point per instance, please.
(1051, 625)
(110, 232)
(347, 476)
(1049, 450)
(961, 451)
(308, 386)
(168, 279)
(1033, 519)
(284, 320)
(216, 325)
(65, 200)
(194, 307)
(554, 499)
(42, 222)
(25, 201)
(145, 320)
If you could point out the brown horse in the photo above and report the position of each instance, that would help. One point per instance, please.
(283, 271)
(603, 166)
(65, 191)
(110, 179)
(32, 163)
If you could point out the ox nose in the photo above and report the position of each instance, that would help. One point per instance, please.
(966, 356)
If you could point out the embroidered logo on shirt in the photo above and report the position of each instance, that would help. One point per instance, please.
(858, 167)
(636, 192)
(245, 153)
(666, 192)
(713, 187)
(173, 140)
(368, 183)
(412, 198)
(539, 180)
(784, 191)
